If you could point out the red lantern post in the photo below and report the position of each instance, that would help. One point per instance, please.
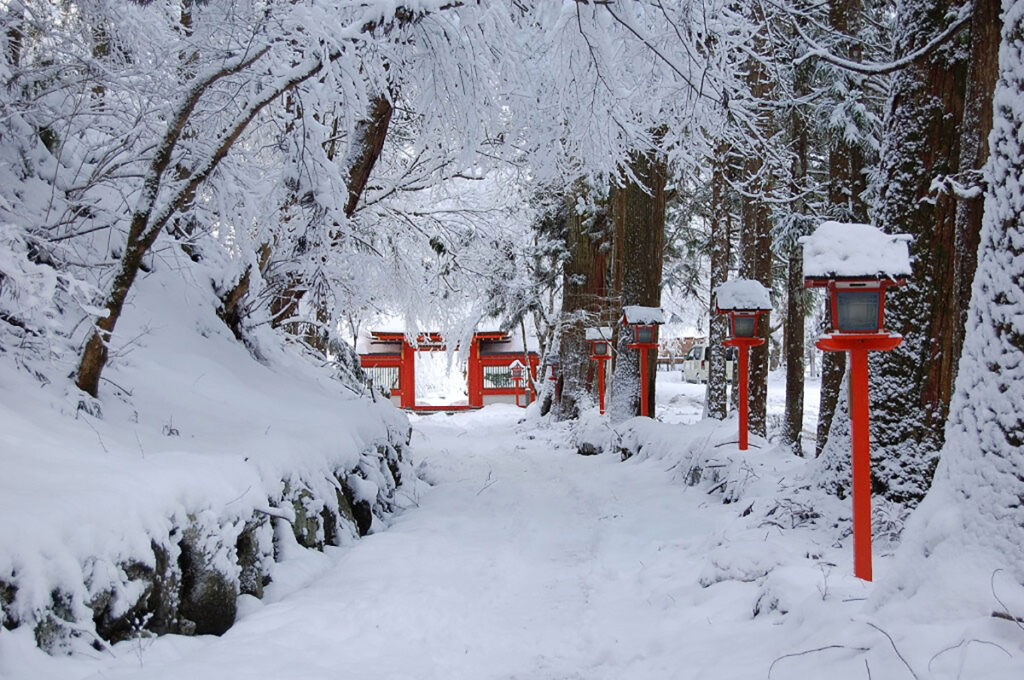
(600, 351)
(515, 369)
(855, 264)
(643, 322)
(744, 301)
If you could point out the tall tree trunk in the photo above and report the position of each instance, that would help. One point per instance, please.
(793, 424)
(756, 240)
(639, 216)
(756, 246)
(846, 186)
(715, 403)
(584, 294)
(983, 70)
(833, 368)
(911, 385)
(974, 511)
(793, 420)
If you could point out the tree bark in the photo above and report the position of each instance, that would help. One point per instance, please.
(371, 133)
(911, 385)
(793, 424)
(846, 186)
(639, 217)
(833, 368)
(974, 511)
(584, 297)
(715, 402)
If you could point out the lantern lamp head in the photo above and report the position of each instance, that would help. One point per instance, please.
(744, 325)
(644, 334)
(599, 348)
(856, 264)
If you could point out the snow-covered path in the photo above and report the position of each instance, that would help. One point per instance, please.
(524, 560)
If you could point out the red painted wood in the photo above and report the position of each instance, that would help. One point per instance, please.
(600, 383)
(476, 375)
(644, 406)
(744, 397)
(858, 345)
(407, 375)
(860, 434)
(743, 346)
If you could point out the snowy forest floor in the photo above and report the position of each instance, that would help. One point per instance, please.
(526, 561)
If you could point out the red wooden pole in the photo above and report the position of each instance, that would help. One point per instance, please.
(407, 375)
(860, 434)
(600, 383)
(742, 351)
(644, 407)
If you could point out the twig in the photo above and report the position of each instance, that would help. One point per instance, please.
(105, 450)
(489, 482)
(235, 500)
(968, 643)
(867, 667)
(1008, 617)
(1006, 610)
(895, 649)
(812, 651)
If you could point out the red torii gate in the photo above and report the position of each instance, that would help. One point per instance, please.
(393, 350)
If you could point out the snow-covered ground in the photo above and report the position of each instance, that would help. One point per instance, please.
(527, 561)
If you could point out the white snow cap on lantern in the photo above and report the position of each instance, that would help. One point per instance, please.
(643, 315)
(599, 333)
(742, 294)
(845, 249)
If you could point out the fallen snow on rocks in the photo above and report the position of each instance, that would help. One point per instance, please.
(204, 468)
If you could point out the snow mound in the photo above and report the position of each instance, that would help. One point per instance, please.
(154, 517)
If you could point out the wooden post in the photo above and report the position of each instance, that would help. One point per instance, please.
(407, 375)
(860, 434)
(744, 392)
(644, 379)
(858, 346)
(476, 376)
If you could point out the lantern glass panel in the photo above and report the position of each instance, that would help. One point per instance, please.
(645, 334)
(858, 310)
(600, 348)
(744, 326)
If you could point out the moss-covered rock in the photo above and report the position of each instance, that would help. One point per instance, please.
(208, 595)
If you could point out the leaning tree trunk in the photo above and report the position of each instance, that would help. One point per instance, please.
(715, 403)
(973, 513)
(911, 385)
(639, 217)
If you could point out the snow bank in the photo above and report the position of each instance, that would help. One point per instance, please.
(742, 294)
(156, 516)
(842, 249)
